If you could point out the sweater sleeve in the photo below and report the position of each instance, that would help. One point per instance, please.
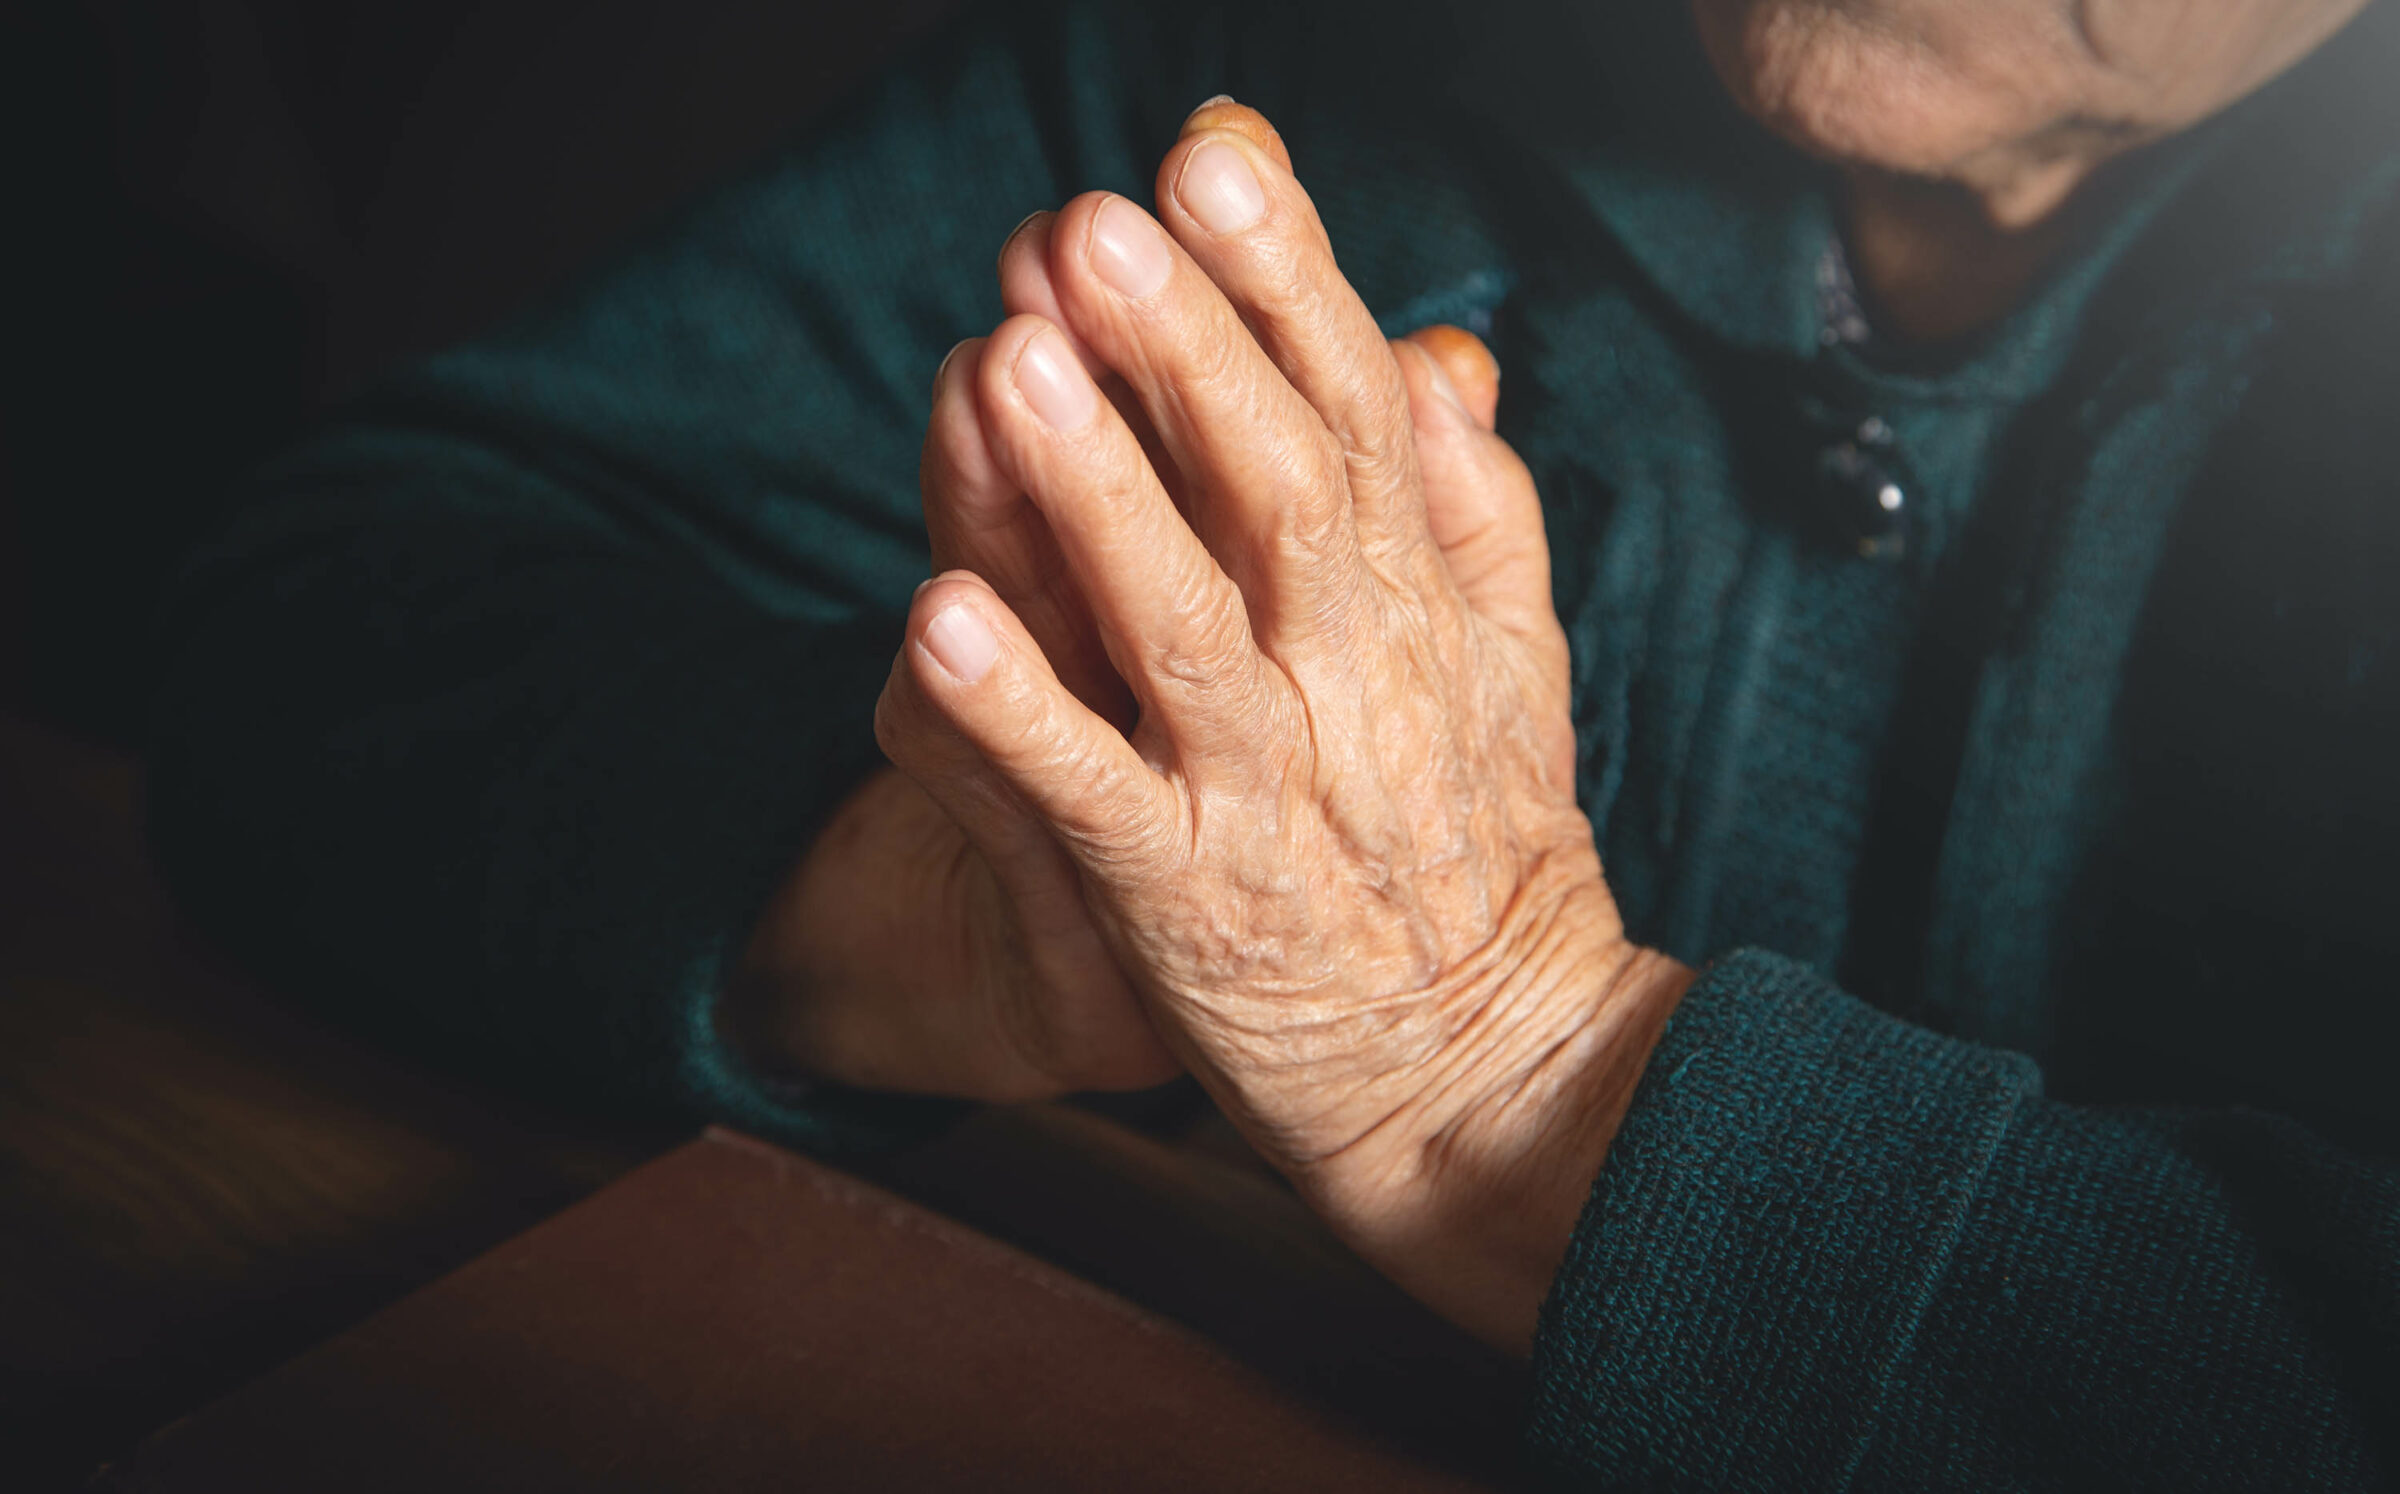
(498, 709)
(1831, 1250)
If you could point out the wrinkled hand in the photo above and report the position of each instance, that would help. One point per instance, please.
(1334, 845)
(936, 938)
(944, 946)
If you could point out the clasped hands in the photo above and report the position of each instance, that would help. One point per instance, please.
(1232, 737)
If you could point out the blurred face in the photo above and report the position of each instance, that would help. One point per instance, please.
(2016, 100)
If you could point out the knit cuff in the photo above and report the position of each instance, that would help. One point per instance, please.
(1774, 1217)
(828, 1119)
(641, 849)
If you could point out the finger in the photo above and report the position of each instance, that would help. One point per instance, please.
(1481, 507)
(927, 992)
(1026, 290)
(1472, 370)
(1173, 623)
(1243, 217)
(1041, 1023)
(1046, 898)
(984, 674)
(1268, 488)
(920, 741)
(979, 520)
(1223, 113)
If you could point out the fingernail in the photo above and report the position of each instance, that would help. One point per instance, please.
(1022, 224)
(1219, 190)
(1442, 385)
(1206, 104)
(947, 359)
(1128, 251)
(1053, 383)
(961, 642)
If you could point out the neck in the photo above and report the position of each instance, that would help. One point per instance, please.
(1935, 261)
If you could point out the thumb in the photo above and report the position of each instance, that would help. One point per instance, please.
(1473, 372)
(1480, 505)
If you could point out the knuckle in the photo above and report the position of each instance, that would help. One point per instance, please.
(1027, 738)
(1376, 435)
(1212, 635)
(1324, 475)
(1294, 284)
(1113, 783)
(1312, 469)
(1107, 823)
(1284, 279)
(1314, 554)
(1221, 366)
(1377, 389)
(1312, 524)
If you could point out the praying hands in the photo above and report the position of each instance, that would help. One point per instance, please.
(1235, 738)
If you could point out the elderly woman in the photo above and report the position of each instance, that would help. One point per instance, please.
(1828, 875)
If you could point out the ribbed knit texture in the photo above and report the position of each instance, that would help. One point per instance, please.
(1776, 1220)
(2038, 1135)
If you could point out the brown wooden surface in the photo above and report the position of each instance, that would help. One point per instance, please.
(198, 1182)
(733, 1317)
(195, 1182)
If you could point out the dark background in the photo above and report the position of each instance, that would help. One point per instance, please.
(220, 215)
(225, 212)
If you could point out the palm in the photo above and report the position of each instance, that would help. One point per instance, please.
(923, 966)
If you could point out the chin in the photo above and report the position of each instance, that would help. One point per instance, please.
(1875, 85)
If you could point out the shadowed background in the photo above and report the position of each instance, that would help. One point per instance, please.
(228, 214)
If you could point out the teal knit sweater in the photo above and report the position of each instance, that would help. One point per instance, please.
(2031, 1122)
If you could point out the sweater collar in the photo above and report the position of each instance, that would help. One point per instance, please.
(1732, 226)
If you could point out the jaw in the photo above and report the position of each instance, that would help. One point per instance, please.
(1996, 101)
(2014, 101)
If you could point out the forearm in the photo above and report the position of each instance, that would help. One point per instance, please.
(420, 759)
(505, 704)
(1468, 1186)
(1877, 1258)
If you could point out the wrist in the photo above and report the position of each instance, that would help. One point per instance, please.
(822, 991)
(1467, 1190)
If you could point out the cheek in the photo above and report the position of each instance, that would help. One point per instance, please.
(2160, 39)
(2187, 58)
(1906, 85)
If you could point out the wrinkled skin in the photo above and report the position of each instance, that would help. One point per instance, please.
(1232, 735)
(1243, 689)
(1976, 137)
(2016, 100)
